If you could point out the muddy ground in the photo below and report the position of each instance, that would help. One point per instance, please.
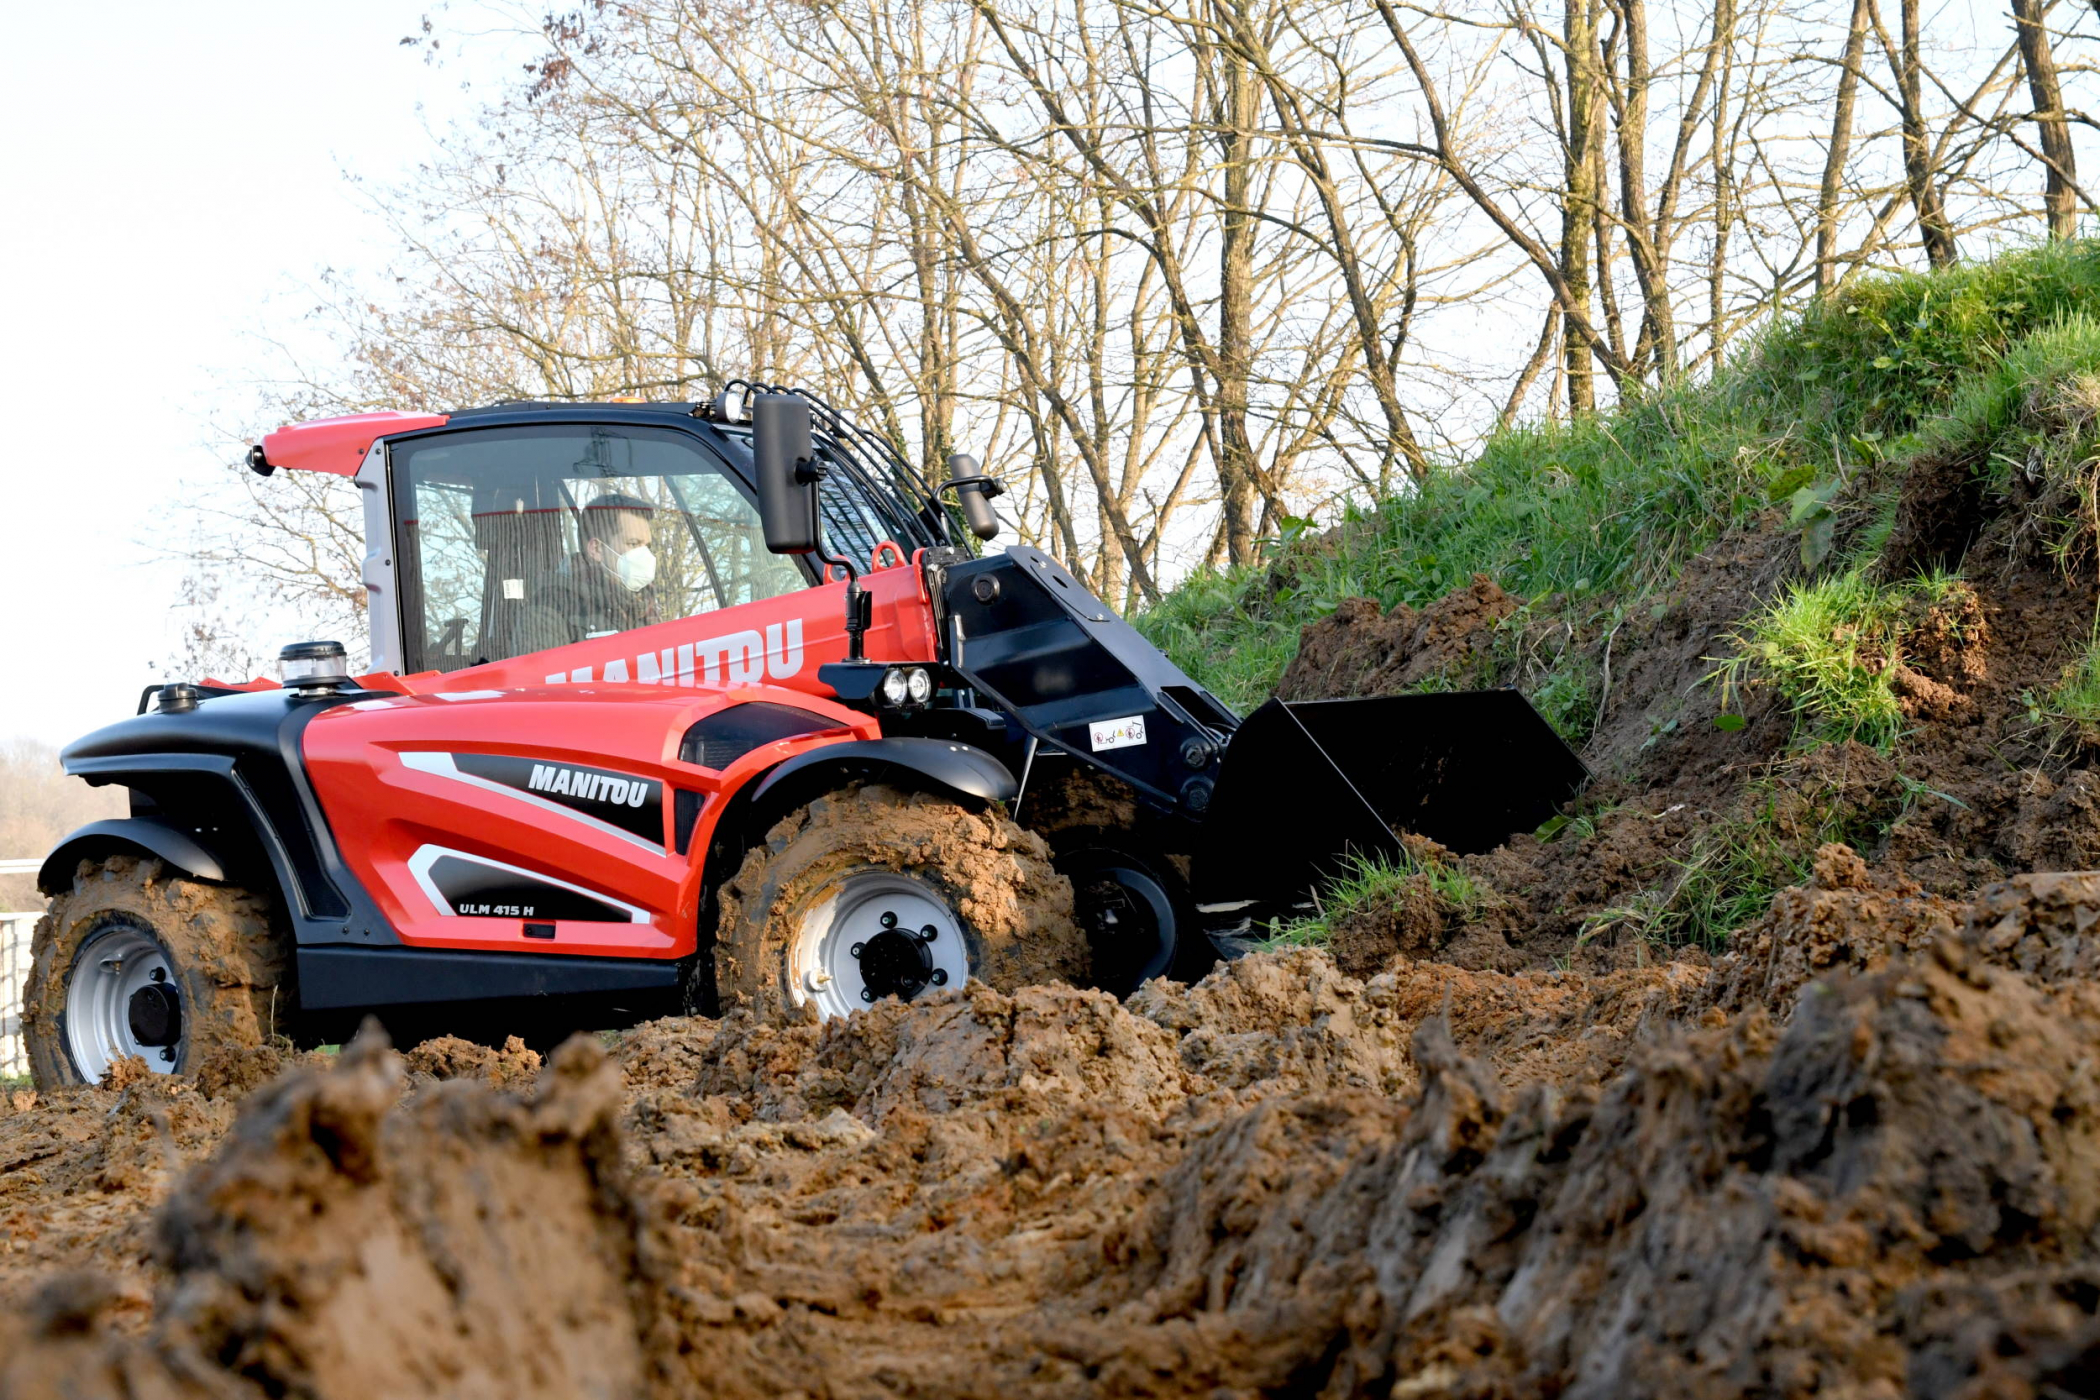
(1522, 1148)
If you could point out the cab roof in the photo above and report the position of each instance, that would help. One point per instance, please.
(338, 445)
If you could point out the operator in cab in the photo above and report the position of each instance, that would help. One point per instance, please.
(608, 585)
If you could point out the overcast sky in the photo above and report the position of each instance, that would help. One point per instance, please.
(171, 180)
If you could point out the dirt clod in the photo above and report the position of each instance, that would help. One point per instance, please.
(1361, 650)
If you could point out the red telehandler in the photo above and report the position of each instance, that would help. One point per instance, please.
(684, 708)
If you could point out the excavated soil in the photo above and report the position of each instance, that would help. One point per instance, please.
(1499, 1140)
(1980, 787)
(1860, 1157)
(1361, 650)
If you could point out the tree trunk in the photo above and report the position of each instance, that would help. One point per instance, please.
(1656, 347)
(1925, 193)
(1579, 198)
(1840, 151)
(1239, 102)
(1724, 179)
(2059, 198)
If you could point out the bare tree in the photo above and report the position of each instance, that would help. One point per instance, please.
(2038, 58)
(1182, 275)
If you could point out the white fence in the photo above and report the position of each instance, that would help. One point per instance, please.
(14, 970)
(15, 930)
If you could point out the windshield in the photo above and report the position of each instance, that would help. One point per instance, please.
(514, 540)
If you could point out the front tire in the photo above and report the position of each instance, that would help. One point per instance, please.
(872, 892)
(132, 961)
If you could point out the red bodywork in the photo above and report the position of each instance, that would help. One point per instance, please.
(354, 757)
(338, 445)
(622, 703)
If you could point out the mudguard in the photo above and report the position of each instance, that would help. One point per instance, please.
(956, 768)
(126, 835)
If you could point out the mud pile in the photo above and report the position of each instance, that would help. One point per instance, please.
(1282, 1180)
(340, 1242)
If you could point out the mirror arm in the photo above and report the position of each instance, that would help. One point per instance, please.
(860, 604)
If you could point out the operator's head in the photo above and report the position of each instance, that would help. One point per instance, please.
(617, 538)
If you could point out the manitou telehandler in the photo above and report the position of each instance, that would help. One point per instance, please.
(679, 707)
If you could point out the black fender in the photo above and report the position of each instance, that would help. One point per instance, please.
(943, 765)
(127, 836)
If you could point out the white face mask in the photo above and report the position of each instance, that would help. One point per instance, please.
(636, 569)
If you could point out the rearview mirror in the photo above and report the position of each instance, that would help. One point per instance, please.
(787, 472)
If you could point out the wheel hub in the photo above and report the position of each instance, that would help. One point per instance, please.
(875, 934)
(121, 999)
(1127, 915)
(897, 962)
(155, 1015)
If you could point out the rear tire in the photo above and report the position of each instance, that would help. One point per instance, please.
(1133, 906)
(134, 962)
(838, 899)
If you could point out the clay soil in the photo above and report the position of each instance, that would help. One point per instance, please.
(1516, 1148)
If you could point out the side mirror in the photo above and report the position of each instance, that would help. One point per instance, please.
(973, 492)
(788, 472)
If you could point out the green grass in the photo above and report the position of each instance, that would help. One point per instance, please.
(1370, 885)
(1588, 519)
(1995, 364)
(1737, 864)
(1831, 647)
(2078, 698)
(2002, 415)
(15, 1081)
(2073, 705)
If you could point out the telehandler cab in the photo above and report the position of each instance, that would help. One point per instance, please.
(692, 707)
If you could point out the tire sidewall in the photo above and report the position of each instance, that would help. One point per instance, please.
(816, 878)
(170, 912)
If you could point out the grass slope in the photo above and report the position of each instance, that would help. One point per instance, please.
(1591, 517)
(1992, 368)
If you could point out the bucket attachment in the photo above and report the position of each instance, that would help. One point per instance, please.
(1306, 785)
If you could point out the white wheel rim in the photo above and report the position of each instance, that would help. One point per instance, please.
(824, 970)
(110, 969)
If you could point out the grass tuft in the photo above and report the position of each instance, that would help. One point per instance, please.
(2073, 706)
(1833, 648)
(1372, 884)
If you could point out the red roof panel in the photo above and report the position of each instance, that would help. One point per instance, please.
(339, 444)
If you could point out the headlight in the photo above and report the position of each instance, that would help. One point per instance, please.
(895, 688)
(918, 685)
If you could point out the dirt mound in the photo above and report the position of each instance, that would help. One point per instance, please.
(1846, 918)
(1281, 1180)
(2042, 925)
(1360, 650)
(1741, 1212)
(449, 1057)
(1706, 801)
(469, 1243)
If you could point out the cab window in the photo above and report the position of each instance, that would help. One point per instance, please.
(515, 540)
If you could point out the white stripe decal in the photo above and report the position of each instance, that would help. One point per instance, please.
(440, 765)
(426, 856)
